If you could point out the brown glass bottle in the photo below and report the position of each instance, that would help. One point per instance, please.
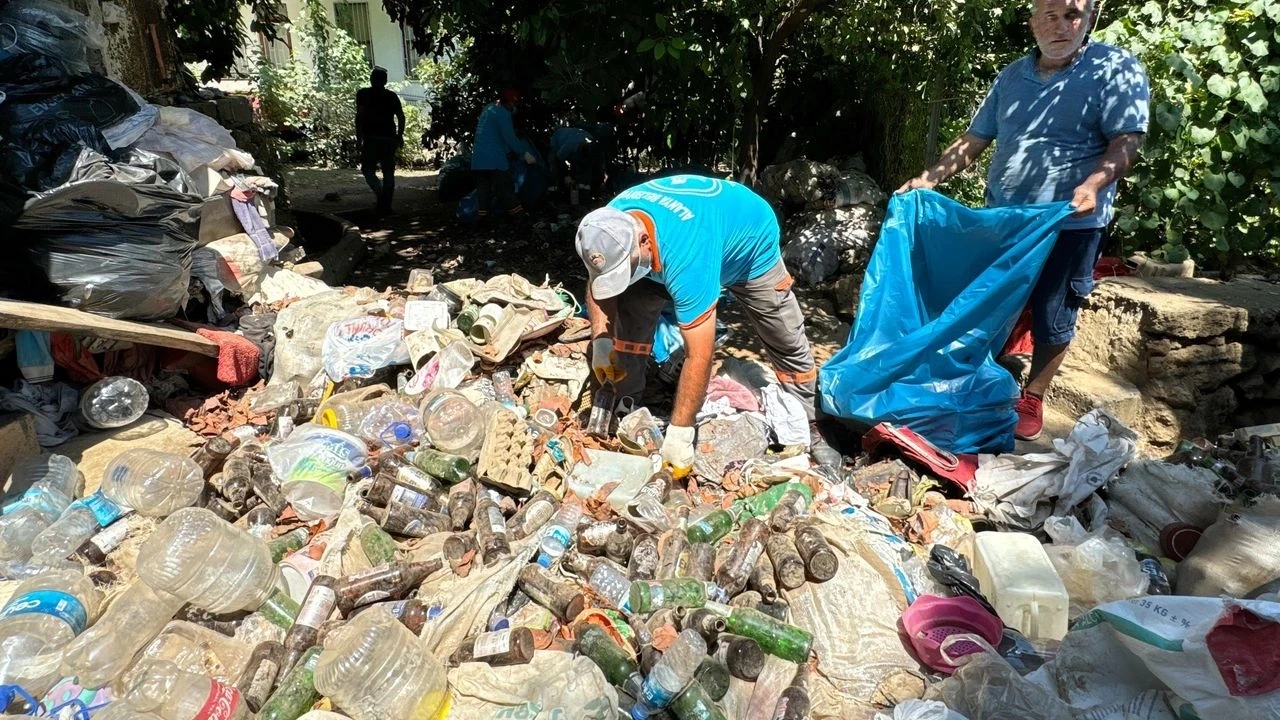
(386, 582)
(513, 646)
(820, 562)
(787, 564)
(405, 521)
(316, 607)
(562, 597)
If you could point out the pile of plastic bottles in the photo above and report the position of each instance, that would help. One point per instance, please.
(189, 586)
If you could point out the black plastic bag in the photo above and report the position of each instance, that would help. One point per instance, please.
(113, 249)
(130, 166)
(950, 568)
(47, 116)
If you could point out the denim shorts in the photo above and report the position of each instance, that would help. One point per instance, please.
(1064, 283)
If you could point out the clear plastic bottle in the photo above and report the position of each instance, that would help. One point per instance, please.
(671, 675)
(78, 523)
(45, 614)
(42, 474)
(152, 482)
(213, 565)
(374, 668)
(605, 578)
(161, 687)
(40, 506)
(105, 651)
(122, 710)
(114, 402)
(390, 424)
(345, 416)
(313, 466)
(560, 533)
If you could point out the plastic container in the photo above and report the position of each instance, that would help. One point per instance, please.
(313, 466)
(451, 423)
(114, 402)
(44, 615)
(345, 416)
(105, 651)
(390, 424)
(197, 649)
(932, 619)
(1016, 575)
(160, 687)
(152, 482)
(43, 473)
(631, 472)
(78, 523)
(560, 533)
(671, 675)
(208, 562)
(374, 668)
(453, 363)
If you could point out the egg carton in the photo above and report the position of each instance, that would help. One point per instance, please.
(507, 453)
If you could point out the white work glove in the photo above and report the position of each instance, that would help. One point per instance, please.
(530, 159)
(604, 361)
(677, 450)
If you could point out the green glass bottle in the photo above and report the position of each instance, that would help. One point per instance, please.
(452, 469)
(695, 703)
(467, 317)
(614, 662)
(714, 525)
(761, 504)
(287, 543)
(775, 637)
(650, 595)
(377, 545)
(280, 609)
(297, 691)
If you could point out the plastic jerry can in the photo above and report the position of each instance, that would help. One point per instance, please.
(1018, 579)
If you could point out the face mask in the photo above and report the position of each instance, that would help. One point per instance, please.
(642, 269)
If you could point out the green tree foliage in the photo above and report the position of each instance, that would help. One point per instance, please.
(212, 32)
(313, 105)
(1208, 183)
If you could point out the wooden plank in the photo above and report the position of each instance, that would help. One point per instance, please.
(17, 315)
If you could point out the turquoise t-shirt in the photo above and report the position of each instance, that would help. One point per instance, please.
(710, 234)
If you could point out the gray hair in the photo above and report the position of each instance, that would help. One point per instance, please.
(1091, 7)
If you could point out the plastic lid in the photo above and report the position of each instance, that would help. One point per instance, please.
(401, 430)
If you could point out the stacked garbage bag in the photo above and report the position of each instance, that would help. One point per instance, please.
(832, 216)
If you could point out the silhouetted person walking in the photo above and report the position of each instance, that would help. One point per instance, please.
(379, 134)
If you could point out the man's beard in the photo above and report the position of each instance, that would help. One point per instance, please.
(1068, 51)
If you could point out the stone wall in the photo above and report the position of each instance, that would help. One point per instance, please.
(1204, 355)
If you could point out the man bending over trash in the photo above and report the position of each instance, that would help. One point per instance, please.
(683, 239)
(1067, 121)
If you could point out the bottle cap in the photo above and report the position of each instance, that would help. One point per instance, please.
(401, 430)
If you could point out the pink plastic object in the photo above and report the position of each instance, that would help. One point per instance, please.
(932, 619)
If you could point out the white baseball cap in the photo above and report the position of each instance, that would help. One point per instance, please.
(605, 241)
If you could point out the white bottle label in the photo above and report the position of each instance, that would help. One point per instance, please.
(316, 607)
(111, 537)
(492, 643)
(412, 498)
(497, 523)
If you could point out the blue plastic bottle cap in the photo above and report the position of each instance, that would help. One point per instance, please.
(401, 430)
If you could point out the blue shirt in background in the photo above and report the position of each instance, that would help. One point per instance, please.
(710, 234)
(568, 140)
(495, 139)
(1050, 133)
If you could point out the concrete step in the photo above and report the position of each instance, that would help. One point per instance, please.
(1079, 388)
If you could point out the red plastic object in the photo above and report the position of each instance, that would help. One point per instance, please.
(932, 619)
(888, 439)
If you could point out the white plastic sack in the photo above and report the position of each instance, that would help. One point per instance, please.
(1150, 495)
(1217, 654)
(553, 686)
(786, 415)
(1237, 554)
(1096, 568)
(1020, 491)
(921, 710)
(988, 688)
(194, 139)
(861, 655)
(300, 331)
(815, 244)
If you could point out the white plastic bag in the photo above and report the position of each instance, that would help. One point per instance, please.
(988, 688)
(361, 346)
(1150, 495)
(553, 685)
(1216, 654)
(921, 710)
(1096, 568)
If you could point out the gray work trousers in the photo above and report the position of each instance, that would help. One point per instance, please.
(771, 308)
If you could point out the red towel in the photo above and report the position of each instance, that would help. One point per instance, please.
(237, 357)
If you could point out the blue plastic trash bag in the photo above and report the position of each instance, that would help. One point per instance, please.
(942, 291)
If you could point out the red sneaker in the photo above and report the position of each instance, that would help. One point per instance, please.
(1030, 417)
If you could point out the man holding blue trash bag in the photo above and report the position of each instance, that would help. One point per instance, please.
(685, 239)
(1067, 121)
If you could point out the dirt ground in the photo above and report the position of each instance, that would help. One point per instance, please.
(422, 232)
